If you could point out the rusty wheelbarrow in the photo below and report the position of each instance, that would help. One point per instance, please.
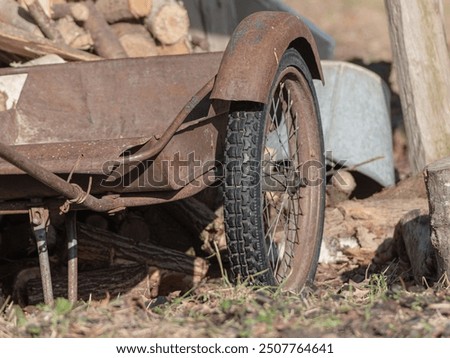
(113, 134)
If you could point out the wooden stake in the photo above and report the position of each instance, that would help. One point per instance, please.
(437, 179)
(421, 56)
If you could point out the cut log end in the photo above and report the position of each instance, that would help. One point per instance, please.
(140, 8)
(169, 24)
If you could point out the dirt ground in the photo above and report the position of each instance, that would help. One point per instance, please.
(356, 298)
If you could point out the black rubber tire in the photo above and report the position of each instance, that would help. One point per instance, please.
(245, 207)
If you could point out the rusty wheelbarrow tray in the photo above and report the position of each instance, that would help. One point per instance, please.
(113, 134)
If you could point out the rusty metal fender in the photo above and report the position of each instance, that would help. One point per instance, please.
(251, 58)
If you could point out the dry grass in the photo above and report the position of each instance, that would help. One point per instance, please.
(381, 305)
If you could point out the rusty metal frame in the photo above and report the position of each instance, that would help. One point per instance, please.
(251, 58)
(245, 74)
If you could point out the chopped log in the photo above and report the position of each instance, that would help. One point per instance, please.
(413, 246)
(44, 22)
(21, 280)
(74, 35)
(101, 245)
(168, 21)
(27, 45)
(200, 221)
(180, 48)
(437, 180)
(120, 10)
(12, 13)
(135, 39)
(96, 284)
(421, 56)
(79, 11)
(135, 228)
(106, 43)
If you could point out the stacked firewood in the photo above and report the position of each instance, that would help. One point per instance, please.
(155, 250)
(88, 30)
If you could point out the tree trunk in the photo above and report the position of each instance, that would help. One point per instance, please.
(437, 179)
(421, 56)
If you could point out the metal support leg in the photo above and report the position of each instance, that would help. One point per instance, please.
(72, 249)
(40, 220)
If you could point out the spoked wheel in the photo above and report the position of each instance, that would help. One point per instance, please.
(275, 182)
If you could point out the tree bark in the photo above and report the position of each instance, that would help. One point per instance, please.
(437, 179)
(421, 56)
(168, 21)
